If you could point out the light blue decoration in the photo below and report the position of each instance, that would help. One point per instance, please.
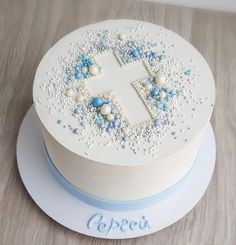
(116, 123)
(101, 224)
(155, 92)
(77, 110)
(72, 77)
(168, 97)
(135, 53)
(126, 138)
(108, 129)
(165, 107)
(76, 131)
(78, 75)
(187, 72)
(167, 90)
(160, 105)
(111, 204)
(97, 101)
(157, 122)
(87, 61)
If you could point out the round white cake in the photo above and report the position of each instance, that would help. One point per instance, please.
(124, 106)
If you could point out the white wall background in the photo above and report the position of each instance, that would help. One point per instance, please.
(224, 5)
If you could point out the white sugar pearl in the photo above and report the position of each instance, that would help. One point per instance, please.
(162, 94)
(84, 69)
(148, 87)
(122, 36)
(110, 117)
(94, 69)
(80, 98)
(160, 79)
(69, 92)
(105, 109)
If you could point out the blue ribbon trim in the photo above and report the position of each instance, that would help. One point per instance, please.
(110, 204)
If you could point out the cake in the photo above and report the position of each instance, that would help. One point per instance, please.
(124, 106)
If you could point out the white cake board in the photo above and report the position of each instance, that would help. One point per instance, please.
(74, 214)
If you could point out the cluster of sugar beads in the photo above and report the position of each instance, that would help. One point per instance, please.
(85, 67)
(158, 93)
(133, 50)
(102, 112)
(107, 116)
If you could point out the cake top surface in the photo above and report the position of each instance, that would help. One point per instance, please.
(123, 92)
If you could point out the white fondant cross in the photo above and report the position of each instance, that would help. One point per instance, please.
(118, 79)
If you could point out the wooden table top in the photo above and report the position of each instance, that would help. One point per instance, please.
(28, 28)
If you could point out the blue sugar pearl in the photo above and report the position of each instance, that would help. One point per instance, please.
(135, 53)
(83, 123)
(152, 55)
(87, 62)
(161, 57)
(173, 92)
(67, 70)
(159, 105)
(108, 130)
(116, 122)
(97, 102)
(187, 72)
(169, 97)
(113, 110)
(126, 138)
(76, 131)
(72, 77)
(167, 90)
(67, 82)
(157, 122)
(77, 110)
(150, 80)
(102, 120)
(165, 107)
(155, 92)
(78, 75)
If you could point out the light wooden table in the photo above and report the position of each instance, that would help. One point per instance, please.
(28, 28)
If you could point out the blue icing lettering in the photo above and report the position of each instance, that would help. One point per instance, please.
(133, 225)
(114, 225)
(103, 228)
(102, 225)
(94, 220)
(124, 227)
(144, 223)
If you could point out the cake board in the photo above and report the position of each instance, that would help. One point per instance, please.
(78, 216)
